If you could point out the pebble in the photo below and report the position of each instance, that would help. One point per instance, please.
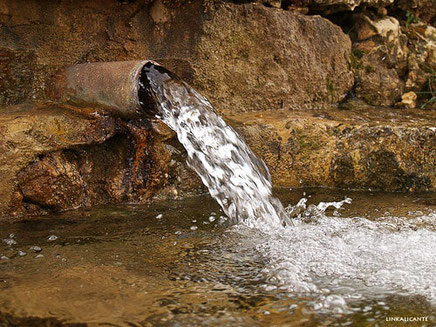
(159, 216)
(211, 218)
(39, 256)
(3, 257)
(194, 227)
(22, 253)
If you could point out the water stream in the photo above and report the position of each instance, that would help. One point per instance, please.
(238, 180)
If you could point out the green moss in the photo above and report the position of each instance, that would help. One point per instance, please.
(331, 87)
(369, 69)
(307, 143)
(355, 57)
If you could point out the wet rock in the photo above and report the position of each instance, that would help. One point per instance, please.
(53, 158)
(357, 148)
(243, 57)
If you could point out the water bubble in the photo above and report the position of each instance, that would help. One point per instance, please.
(52, 238)
(35, 248)
(9, 241)
(211, 218)
(334, 301)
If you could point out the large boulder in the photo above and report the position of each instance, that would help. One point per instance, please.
(242, 57)
(271, 59)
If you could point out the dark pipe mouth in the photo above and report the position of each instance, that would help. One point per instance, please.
(152, 79)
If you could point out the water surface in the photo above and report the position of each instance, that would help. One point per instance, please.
(181, 263)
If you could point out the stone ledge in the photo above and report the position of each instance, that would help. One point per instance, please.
(360, 148)
(55, 158)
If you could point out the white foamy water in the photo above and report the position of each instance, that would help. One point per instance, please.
(344, 259)
(236, 178)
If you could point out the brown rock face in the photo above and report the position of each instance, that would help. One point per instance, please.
(271, 59)
(377, 84)
(242, 57)
(55, 159)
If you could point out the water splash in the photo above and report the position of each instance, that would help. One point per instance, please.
(337, 259)
(236, 178)
(340, 260)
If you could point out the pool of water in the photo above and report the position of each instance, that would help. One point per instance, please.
(180, 263)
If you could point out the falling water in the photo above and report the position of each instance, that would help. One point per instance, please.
(236, 178)
(336, 259)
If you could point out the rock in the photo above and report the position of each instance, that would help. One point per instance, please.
(421, 62)
(242, 57)
(53, 158)
(382, 59)
(332, 6)
(377, 84)
(271, 59)
(358, 148)
(16, 75)
(273, 3)
(390, 42)
(408, 100)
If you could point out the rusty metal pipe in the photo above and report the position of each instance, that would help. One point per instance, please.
(109, 87)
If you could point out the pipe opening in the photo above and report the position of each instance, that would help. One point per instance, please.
(151, 81)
